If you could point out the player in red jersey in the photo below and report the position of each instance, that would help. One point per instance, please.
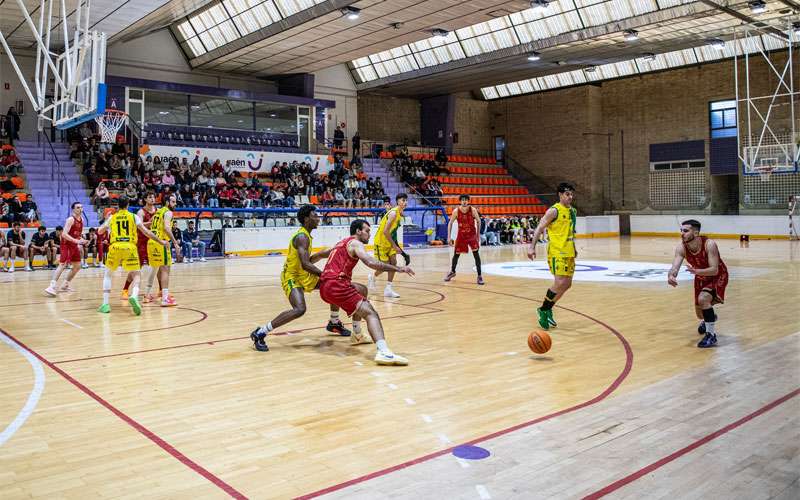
(469, 226)
(145, 213)
(710, 277)
(337, 288)
(71, 241)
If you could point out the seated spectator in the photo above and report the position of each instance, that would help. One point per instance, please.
(212, 201)
(131, 192)
(9, 163)
(15, 240)
(30, 211)
(85, 132)
(327, 197)
(491, 233)
(3, 250)
(5, 212)
(55, 241)
(191, 239)
(101, 196)
(40, 245)
(168, 179)
(339, 198)
(16, 209)
(441, 157)
(91, 247)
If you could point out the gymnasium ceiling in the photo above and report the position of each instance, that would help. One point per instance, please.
(310, 35)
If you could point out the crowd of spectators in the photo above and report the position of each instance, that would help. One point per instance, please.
(212, 184)
(508, 230)
(420, 174)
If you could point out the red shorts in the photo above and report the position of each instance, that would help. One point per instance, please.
(69, 253)
(715, 285)
(467, 243)
(142, 251)
(340, 293)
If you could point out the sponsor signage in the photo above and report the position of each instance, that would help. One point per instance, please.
(239, 159)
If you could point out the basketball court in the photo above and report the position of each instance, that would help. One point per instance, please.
(177, 403)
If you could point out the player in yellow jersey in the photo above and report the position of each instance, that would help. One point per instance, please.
(559, 220)
(300, 276)
(122, 252)
(386, 245)
(160, 256)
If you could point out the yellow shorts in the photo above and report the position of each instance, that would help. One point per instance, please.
(561, 266)
(123, 254)
(308, 282)
(383, 252)
(158, 255)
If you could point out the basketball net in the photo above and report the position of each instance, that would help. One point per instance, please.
(110, 122)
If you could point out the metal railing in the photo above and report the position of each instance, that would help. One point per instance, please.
(58, 181)
(371, 148)
(540, 188)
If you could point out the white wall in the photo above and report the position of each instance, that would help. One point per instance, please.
(597, 226)
(259, 240)
(336, 84)
(718, 225)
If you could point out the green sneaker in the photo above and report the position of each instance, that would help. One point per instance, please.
(543, 321)
(550, 319)
(135, 306)
(105, 308)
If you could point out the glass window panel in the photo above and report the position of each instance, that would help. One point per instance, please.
(723, 104)
(513, 88)
(209, 42)
(256, 18)
(366, 73)
(216, 112)
(723, 132)
(489, 93)
(289, 7)
(208, 18)
(362, 61)
(193, 46)
(165, 108)
(526, 86)
(380, 69)
(502, 90)
(276, 118)
(185, 30)
(717, 120)
(730, 118)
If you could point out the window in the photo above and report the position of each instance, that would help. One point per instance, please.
(216, 112)
(276, 118)
(678, 165)
(166, 108)
(722, 119)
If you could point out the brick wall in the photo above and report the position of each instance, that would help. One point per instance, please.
(472, 124)
(544, 131)
(382, 118)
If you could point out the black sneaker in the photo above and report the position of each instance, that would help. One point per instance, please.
(701, 329)
(710, 340)
(338, 328)
(258, 340)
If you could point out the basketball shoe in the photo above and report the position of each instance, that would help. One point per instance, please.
(389, 358)
(136, 307)
(389, 292)
(361, 337)
(258, 337)
(105, 309)
(709, 340)
(51, 290)
(450, 276)
(480, 280)
(544, 322)
(169, 302)
(338, 328)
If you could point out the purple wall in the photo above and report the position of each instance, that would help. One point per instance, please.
(438, 121)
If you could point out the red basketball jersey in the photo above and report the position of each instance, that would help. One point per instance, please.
(466, 223)
(142, 238)
(76, 231)
(340, 265)
(699, 260)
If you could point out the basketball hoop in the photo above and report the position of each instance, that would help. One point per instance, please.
(110, 122)
(764, 171)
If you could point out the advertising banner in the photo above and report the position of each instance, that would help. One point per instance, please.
(240, 159)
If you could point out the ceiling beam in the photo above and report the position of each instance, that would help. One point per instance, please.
(790, 3)
(746, 19)
(660, 16)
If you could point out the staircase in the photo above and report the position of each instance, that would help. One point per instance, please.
(392, 186)
(41, 169)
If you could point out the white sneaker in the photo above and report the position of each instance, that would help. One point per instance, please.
(51, 291)
(11, 269)
(360, 338)
(191, 261)
(202, 259)
(389, 358)
(371, 281)
(28, 268)
(84, 266)
(388, 292)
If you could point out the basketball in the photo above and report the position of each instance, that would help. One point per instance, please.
(539, 341)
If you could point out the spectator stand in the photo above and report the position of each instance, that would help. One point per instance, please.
(211, 222)
(17, 204)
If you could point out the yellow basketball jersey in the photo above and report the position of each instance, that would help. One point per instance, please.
(157, 223)
(380, 238)
(561, 232)
(123, 227)
(293, 265)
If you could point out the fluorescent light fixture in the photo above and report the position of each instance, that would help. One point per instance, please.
(273, 115)
(590, 69)
(649, 56)
(757, 6)
(717, 43)
(534, 56)
(351, 13)
(540, 5)
(631, 35)
(440, 33)
(163, 112)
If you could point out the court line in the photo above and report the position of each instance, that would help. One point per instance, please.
(600, 397)
(70, 323)
(203, 317)
(683, 451)
(33, 397)
(230, 490)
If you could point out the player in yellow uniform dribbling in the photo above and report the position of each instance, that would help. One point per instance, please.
(122, 252)
(300, 276)
(559, 220)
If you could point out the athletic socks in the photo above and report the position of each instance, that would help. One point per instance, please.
(710, 318)
(334, 316)
(134, 292)
(164, 294)
(455, 263)
(382, 347)
(265, 328)
(548, 300)
(477, 261)
(106, 293)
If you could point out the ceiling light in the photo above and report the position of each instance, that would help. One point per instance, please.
(440, 33)
(561, 63)
(534, 56)
(396, 26)
(272, 115)
(351, 13)
(163, 112)
(590, 69)
(796, 27)
(717, 43)
(649, 56)
(631, 35)
(757, 6)
(540, 5)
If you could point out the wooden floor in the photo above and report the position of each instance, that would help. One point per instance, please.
(176, 403)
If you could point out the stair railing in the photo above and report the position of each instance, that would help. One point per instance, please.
(59, 184)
